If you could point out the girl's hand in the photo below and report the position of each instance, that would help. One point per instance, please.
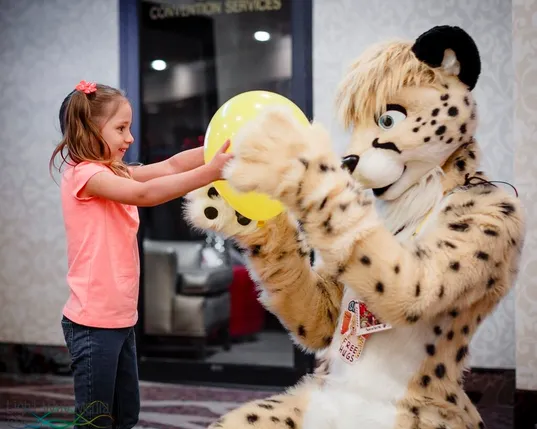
(220, 159)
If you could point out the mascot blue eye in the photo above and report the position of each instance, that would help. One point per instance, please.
(390, 119)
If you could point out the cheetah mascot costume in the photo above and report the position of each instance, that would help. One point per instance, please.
(402, 278)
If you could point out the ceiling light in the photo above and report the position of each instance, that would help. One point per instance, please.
(158, 65)
(261, 36)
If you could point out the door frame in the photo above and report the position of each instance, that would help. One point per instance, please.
(180, 371)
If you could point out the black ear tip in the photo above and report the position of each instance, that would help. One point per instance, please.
(431, 45)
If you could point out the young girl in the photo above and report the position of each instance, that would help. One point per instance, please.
(100, 195)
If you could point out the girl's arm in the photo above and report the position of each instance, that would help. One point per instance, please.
(158, 190)
(179, 163)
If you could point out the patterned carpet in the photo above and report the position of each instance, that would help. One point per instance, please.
(164, 406)
(168, 406)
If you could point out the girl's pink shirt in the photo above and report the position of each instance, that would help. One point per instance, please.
(102, 252)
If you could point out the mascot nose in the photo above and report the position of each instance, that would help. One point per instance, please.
(350, 162)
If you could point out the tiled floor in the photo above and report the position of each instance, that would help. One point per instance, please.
(269, 348)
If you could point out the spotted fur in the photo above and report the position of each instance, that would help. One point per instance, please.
(433, 270)
(279, 260)
(282, 411)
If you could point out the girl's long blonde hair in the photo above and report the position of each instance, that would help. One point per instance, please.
(81, 119)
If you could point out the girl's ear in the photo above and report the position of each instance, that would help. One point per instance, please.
(452, 49)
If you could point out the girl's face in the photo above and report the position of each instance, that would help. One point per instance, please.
(116, 131)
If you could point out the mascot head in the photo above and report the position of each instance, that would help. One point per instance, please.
(409, 106)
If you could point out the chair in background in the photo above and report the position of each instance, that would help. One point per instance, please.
(186, 291)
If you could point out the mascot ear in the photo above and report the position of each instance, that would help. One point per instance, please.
(452, 49)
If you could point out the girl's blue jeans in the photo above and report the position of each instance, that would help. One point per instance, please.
(105, 372)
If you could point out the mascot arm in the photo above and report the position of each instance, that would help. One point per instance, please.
(305, 300)
(452, 267)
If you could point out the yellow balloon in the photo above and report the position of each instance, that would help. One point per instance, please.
(224, 125)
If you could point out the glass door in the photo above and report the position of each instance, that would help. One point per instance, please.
(194, 56)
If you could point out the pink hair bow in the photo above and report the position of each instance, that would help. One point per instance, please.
(87, 87)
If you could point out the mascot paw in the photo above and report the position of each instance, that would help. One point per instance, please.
(267, 152)
(206, 209)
